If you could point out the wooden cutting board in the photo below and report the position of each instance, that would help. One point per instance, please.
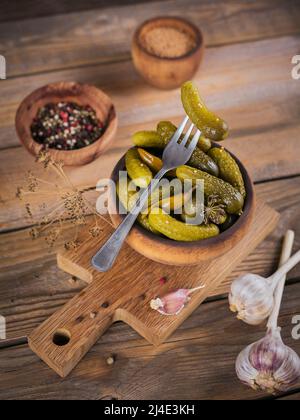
(124, 294)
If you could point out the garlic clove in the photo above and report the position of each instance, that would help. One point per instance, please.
(252, 298)
(172, 303)
(269, 365)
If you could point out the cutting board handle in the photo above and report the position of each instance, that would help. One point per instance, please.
(64, 339)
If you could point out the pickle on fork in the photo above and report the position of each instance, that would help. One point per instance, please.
(166, 130)
(210, 124)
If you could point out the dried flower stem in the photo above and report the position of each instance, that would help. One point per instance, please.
(287, 250)
(71, 204)
(196, 289)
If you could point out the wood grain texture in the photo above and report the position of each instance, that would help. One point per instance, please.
(260, 143)
(200, 355)
(11, 10)
(99, 36)
(197, 363)
(110, 298)
(239, 92)
(37, 288)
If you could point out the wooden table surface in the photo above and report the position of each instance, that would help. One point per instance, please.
(246, 77)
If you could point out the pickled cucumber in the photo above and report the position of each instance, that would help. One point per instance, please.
(144, 222)
(199, 159)
(191, 210)
(163, 193)
(229, 222)
(153, 162)
(128, 200)
(179, 231)
(176, 202)
(126, 196)
(202, 161)
(210, 125)
(230, 197)
(148, 139)
(204, 144)
(229, 169)
(137, 170)
(167, 130)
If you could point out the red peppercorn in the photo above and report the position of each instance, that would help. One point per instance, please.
(163, 281)
(64, 116)
(66, 126)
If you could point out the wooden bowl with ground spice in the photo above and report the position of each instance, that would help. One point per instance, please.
(167, 51)
(75, 123)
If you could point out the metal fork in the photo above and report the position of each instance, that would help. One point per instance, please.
(175, 154)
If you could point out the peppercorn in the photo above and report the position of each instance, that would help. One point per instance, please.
(66, 126)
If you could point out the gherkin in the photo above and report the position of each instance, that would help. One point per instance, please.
(202, 161)
(148, 139)
(166, 130)
(179, 231)
(210, 124)
(137, 170)
(229, 169)
(232, 198)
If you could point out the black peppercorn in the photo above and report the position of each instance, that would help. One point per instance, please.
(66, 126)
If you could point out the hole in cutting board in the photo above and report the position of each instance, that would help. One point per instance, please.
(61, 338)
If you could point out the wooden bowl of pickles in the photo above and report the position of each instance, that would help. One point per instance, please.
(178, 228)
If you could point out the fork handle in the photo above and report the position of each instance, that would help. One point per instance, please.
(105, 258)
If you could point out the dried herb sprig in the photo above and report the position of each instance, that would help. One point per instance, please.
(70, 205)
(214, 211)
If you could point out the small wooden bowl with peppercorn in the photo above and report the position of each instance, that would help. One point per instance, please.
(75, 123)
(167, 51)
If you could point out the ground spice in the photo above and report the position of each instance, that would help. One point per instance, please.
(168, 42)
(66, 126)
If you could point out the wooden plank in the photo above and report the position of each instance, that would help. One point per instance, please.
(97, 36)
(84, 318)
(261, 143)
(201, 355)
(37, 288)
(11, 10)
(241, 93)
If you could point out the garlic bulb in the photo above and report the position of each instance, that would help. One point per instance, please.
(252, 297)
(269, 365)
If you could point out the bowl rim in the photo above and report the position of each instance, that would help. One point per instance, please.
(60, 86)
(248, 211)
(198, 33)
